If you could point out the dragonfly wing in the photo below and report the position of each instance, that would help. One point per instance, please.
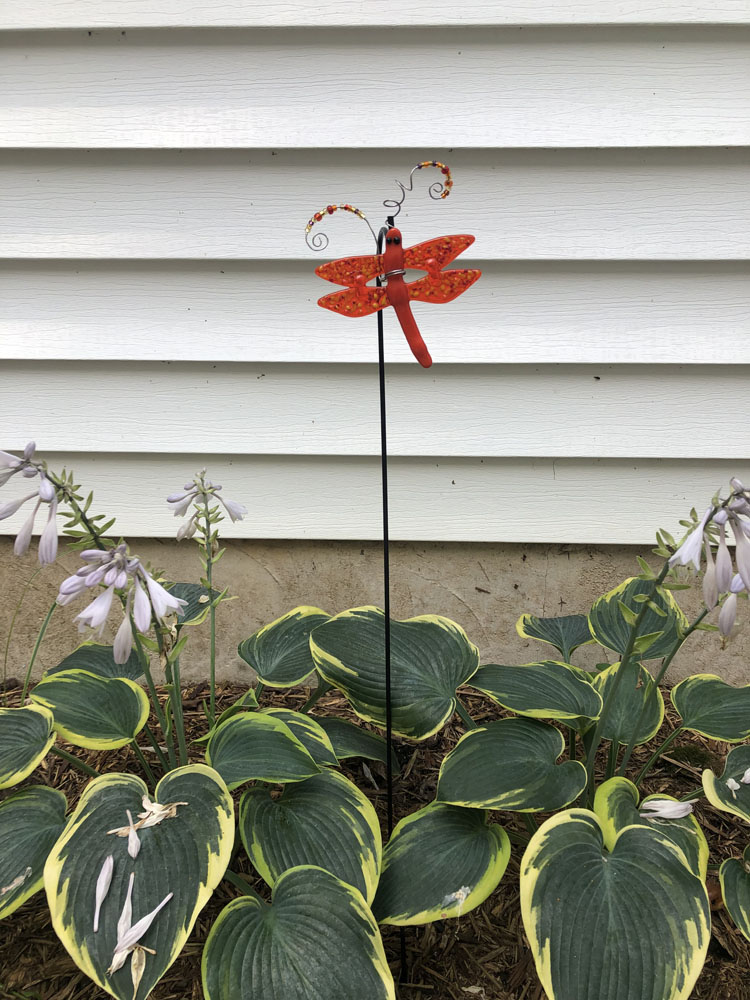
(359, 301)
(443, 287)
(348, 269)
(442, 250)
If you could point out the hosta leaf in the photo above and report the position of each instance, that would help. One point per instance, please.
(546, 690)
(628, 922)
(279, 652)
(254, 746)
(186, 854)
(626, 707)
(350, 740)
(565, 633)
(198, 602)
(430, 657)
(312, 736)
(510, 764)
(616, 805)
(710, 706)
(316, 941)
(324, 821)
(99, 659)
(31, 820)
(101, 713)
(25, 737)
(718, 792)
(440, 862)
(735, 889)
(610, 629)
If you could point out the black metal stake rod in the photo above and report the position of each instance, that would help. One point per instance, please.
(387, 589)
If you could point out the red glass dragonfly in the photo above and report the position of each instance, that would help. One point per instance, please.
(361, 299)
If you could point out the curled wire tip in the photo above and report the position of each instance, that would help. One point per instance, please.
(437, 190)
(319, 241)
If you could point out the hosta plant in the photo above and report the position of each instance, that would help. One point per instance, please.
(613, 879)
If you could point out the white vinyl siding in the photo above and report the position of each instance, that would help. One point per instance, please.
(157, 169)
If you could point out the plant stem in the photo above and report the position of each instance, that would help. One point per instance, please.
(259, 689)
(317, 694)
(572, 748)
(154, 698)
(697, 793)
(10, 630)
(144, 764)
(212, 615)
(463, 713)
(37, 644)
(651, 693)
(239, 883)
(157, 749)
(78, 511)
(173, 706)
(179, 719)
(531, 824)
(614, 746)
(656, 755)
(624, 661)
(71, 759)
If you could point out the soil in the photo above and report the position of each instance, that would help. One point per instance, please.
(481, 956)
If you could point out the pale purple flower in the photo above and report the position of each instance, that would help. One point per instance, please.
(117, 570)
(44, 493)
(728, 615)
(200, 493)
(665, 809)
(710, 589)
(723, 563)
(102, 888)
(741, 551)
(690, 550)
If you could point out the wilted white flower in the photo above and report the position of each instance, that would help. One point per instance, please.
(128, 936)
(131, 832)
(102, 888)
(733, 787)
(200, 493)
(665, 809)
(154, 812)
(45, 492)
(117, 570)
(690, 550)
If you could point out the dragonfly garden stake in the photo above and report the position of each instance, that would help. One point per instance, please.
(388, 267)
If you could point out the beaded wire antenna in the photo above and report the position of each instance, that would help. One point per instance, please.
(388, 268)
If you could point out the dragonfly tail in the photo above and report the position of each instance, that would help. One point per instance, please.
(412, 334)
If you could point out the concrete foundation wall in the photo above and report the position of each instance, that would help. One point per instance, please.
(483, 587)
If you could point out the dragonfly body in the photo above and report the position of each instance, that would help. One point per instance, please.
(361, 299)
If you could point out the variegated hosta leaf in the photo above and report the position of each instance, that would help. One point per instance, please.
(616, 805)
(317, 941)
(735, 889)
(99, 659)
(431, 656)
(722, 793)
(440, 862)
(546, 690)
(565, 633)
(254, 746)
(31, 820)
(185, 854)
(626, 707)
(510, 764)
(351, 740)
(710, 706)
(26, 734)
(101, 713)
(628, 922)
(610, 628)
(312, 736)
(279, 652)
(324, 821)
(198, 602)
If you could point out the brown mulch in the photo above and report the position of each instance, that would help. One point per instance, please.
(481, 956)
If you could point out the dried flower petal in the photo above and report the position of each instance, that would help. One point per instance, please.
(102, 888)
(665, 809)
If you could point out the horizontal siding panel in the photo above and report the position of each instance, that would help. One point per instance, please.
(94, 14)
(504, 500)
(232, 312)
(520, 410)
(295, 88)
(541, 204)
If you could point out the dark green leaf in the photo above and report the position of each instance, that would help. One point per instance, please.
(611, 630)
(253, 746)
(99, 659)
(546, 690)
(31, 820)
(280, 652)
(26, 734)
(565, 633)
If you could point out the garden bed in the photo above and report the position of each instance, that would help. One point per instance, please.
(482, 955)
